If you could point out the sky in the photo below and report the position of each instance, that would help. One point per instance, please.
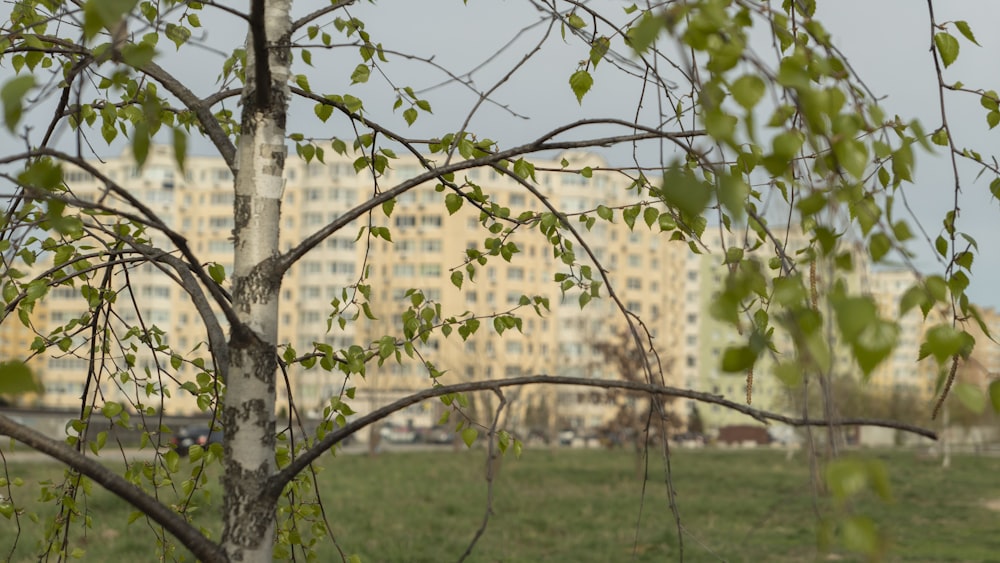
(886, 41)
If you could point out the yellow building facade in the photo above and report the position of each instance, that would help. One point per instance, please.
(428, 244)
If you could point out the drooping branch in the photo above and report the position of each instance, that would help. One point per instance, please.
(304, 20)
(150, 218)
(541, 144)
(201, 109)
(283, 477)
(188, 534)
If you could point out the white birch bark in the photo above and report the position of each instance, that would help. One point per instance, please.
(249, 406)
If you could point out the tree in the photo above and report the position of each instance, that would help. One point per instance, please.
(716, 128)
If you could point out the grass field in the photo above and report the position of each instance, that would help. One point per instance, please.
(584, 505)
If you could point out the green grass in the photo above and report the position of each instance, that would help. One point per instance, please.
(572, 505)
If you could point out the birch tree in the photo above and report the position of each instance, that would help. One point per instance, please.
(718, 123)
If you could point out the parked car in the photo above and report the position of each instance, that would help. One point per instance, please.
(201, 435)
(691, 438)
(566, 437)
(398, 434)
(435, 435)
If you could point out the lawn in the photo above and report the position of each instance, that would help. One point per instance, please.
(585, 505)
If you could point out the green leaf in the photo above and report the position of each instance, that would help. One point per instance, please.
(180, 147)
(469, 436)
(747, 90)
(580, 82)
(642, 34)
(944, 341)
(966, 31)
(995, 395)
(12, 94)
(993, 118)
(456, 279)
(913, 297)
(15, 378)
(453, 202)
(410, 115)
(361, 74)
(947, 47)
(790, 373)
(524, 169)
(104, 14)
(879, 246)
(852, 155)
(859, 534)
(323, 111)
(970, 396)
(650, 215)
(941, 244)
(138, 56)
(737, 359)
(217, 272)
(682, 191)
(111, 409)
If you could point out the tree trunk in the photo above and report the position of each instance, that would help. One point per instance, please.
(248, 413)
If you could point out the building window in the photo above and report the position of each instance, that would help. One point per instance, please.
(403, 270)
(406, 221)
(342, 268)
(430, 221)
(633, 283)
(514, 273)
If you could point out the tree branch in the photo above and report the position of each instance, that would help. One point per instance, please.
(201, 109)
(283, 477)
(543, 143)
(299, 23)
(203, 548)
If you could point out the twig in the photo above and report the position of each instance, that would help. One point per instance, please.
(283, 477)
(491, 456)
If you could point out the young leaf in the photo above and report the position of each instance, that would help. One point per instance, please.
(580, 82)
(11, 95)
(15, 378)
(360, 74)
(966, 31)
(469, 435)
(947, 47)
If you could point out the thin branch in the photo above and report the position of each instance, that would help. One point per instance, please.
(304, 20)
(543, 143)
(491, 457)
(283, 477)
(201, 109)
(188, 534)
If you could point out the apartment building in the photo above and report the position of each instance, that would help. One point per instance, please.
(428, 244)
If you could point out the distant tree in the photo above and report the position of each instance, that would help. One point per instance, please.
(639, 417)
(715, 128)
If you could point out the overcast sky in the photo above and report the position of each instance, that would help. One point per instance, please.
(887, 42)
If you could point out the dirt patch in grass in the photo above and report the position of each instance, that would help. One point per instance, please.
(993, 504)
